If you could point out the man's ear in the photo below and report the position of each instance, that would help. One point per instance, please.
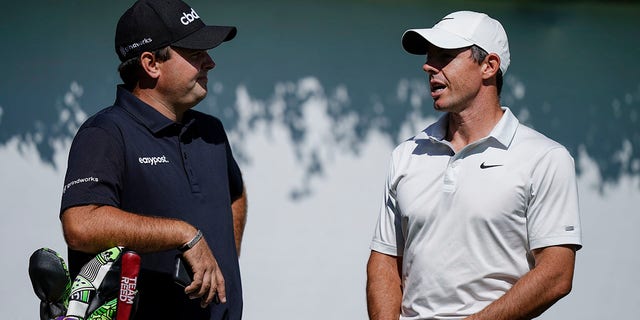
(149, 64)
(490, 66)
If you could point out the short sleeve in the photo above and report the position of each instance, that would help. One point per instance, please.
(94, 170)
(388, 236)
(553, 215)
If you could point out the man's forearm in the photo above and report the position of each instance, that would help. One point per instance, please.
(94, 228)
(384, 287)
(239, 210)
(537, 290)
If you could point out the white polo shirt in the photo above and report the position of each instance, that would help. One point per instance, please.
(466, 223)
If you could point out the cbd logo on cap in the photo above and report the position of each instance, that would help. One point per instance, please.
(189, 17)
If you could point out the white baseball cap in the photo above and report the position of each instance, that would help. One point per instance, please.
(458, 30)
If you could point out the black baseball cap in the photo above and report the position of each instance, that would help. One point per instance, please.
(153, 24)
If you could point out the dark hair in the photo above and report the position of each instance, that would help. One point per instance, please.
(478, 54)
(131, 69)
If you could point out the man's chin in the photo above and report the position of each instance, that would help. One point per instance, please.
(438, 106)
(199, 98)
(202, 89)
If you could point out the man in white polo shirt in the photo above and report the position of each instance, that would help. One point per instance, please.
(479, 218)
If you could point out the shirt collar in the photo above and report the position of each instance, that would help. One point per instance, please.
(142, 112)
(506, 128)
(503, 132)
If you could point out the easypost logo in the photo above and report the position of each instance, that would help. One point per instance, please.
(153, 160)
(189, 17)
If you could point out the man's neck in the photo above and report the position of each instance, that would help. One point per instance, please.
(151, 98)
(471, 124)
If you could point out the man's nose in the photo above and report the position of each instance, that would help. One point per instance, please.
(208, 63)
(429, 68)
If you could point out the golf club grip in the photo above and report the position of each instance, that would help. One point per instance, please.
(128, 283)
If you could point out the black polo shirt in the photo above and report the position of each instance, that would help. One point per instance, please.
(132, 157)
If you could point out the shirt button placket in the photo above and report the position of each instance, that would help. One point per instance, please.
(195, 187)
(450, 175)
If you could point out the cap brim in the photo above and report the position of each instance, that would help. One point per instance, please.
(206, 38)
(416, 41)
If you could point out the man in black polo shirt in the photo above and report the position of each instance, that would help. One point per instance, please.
(152, 175)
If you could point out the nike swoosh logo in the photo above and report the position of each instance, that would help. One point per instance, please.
(487, 166)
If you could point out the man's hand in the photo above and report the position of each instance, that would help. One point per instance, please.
(207, 277)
